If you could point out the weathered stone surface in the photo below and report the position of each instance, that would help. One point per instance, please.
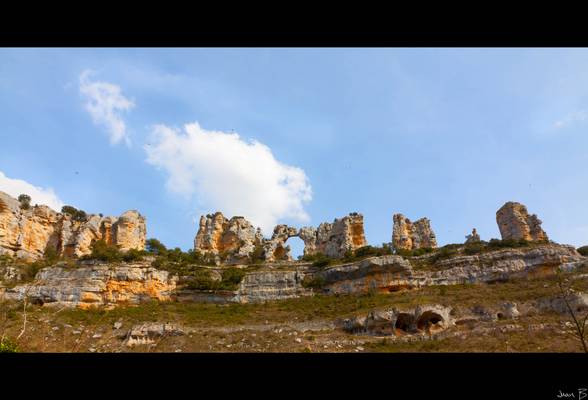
(334, 239)
(508, 310)
(28, 233)
(275, 249)
(96, 285)
(218, 235)
(271, 285)
(409, 236)
(473, 238)
(424, 319)
(148, 333)
(514, 222)
(578, 301)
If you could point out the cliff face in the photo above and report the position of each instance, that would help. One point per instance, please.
(28, 233)
(334, 239)
(110, 285)
(515, 223)
(217, 235)
(96, 285)
(409, 236)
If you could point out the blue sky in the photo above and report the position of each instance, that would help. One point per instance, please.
(450, 134)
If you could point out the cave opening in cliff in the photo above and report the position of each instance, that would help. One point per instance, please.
(403, 322)
(429, 320)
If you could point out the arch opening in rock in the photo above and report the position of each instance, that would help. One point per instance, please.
(430, 320)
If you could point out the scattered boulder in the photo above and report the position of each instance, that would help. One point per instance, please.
(508, 310)
(515, 223)
(407, 235)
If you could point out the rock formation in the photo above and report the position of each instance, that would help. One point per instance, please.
(235, 237)
(27, 233)
(275, 249)
(334, 239)
(239, 238)
(96, 285)
(473, 238)
(515, 223)
(409, 236)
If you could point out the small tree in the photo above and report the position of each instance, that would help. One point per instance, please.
(76, 215)
(566, 291)
(25, 201)
(154, 246)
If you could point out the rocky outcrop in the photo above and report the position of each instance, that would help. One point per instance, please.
(271, 285)
(409, 235)
(149, 333)
(473, 238)
(514, 222)
(96, 285)
(424, 319)
(275, 249)
(334, 239)
(392, 273)
(28, 233)
(235, 237)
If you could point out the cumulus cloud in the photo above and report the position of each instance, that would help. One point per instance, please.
(228, 174)
(572, 118)
(39, 195)
(105, 103)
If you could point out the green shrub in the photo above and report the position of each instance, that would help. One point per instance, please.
(200, 279)
(474, 248)
(8, 346)
(104, 252)
(25, 201)
(154, 246)
(76, 215)
(133, 255)
(231, 278)
(315, 282)
(257, 256)
(50, 255)
(583, 250)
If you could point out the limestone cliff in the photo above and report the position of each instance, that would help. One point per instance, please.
(515, 223)
(219, 235)
(334, 239)
(409, 235)
(96, 285)
(27, 233)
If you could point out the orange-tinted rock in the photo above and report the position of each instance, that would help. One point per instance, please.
(514, 222)
(28, 233)
(334, 239)
(409, 235)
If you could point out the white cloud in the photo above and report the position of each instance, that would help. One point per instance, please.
(229, 174)
(39, 195)
(105, 103)
(572, 118)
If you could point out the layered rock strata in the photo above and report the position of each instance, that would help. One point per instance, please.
(96, 285)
